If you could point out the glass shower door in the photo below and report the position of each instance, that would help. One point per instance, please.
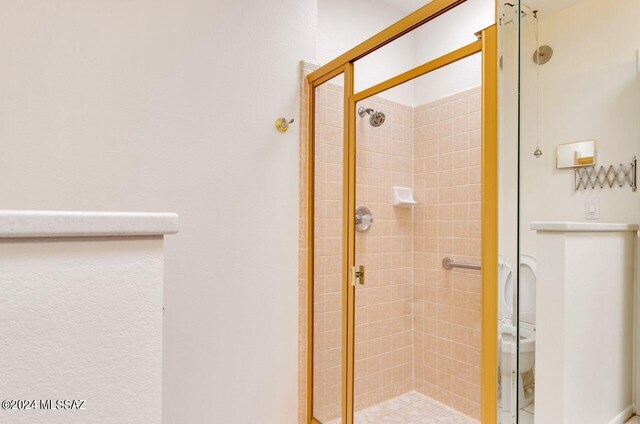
(396, 200)
(577, 293)
(508, 164)
(383, 345)
(417, 322)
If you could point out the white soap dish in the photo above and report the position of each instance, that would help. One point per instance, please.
(403, 197)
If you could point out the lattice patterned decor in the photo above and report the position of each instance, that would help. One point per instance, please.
(592, 177)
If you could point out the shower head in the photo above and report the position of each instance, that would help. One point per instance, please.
(376, 117)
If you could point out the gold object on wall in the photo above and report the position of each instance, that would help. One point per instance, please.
(586, 161)
(282, 125)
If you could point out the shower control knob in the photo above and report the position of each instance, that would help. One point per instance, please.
(363, 219)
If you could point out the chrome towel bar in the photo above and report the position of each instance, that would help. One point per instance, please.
(448, 263)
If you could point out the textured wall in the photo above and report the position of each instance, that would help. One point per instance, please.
(571, 339)
(82, 319)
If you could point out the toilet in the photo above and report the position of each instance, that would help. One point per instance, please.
(507, 332)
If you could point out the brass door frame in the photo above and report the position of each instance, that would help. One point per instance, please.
(487, 45)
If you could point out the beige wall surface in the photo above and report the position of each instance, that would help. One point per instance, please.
(169, 106)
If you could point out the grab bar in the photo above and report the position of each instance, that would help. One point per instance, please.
(448, 263)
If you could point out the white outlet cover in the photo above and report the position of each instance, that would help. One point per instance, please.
(592, 209)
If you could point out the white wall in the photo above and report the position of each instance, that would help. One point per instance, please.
(169, 106)
(345, 24)
(589, 90)
(584, 333)
(449, 32)
(82, 319)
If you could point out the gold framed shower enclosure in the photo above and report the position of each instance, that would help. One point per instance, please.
(344, 64)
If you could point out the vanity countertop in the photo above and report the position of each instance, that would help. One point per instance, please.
(24, 223)
(584, 227)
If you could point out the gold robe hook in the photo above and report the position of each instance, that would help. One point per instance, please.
(282, 124)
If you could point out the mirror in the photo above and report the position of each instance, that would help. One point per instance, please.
(575, 155)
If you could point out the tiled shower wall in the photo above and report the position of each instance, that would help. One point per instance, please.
(417, 326)
(328, 230)
(446, 222)
(383, 318)
(302, 247)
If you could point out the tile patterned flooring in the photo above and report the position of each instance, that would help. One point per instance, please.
(416, 408)
(411, 408)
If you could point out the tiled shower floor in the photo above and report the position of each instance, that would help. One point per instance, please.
(411, 408)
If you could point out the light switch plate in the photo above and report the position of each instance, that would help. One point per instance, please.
(592, 209)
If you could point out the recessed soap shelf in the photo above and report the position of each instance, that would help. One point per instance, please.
(403, 197)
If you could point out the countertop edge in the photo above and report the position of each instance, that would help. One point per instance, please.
(31, 223)
(583, 227)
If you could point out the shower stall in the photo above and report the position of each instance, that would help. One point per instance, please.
(400, 220)
(420, 306)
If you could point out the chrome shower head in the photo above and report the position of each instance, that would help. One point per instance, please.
(376, 117)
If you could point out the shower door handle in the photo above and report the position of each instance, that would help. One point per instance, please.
(357, 275)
